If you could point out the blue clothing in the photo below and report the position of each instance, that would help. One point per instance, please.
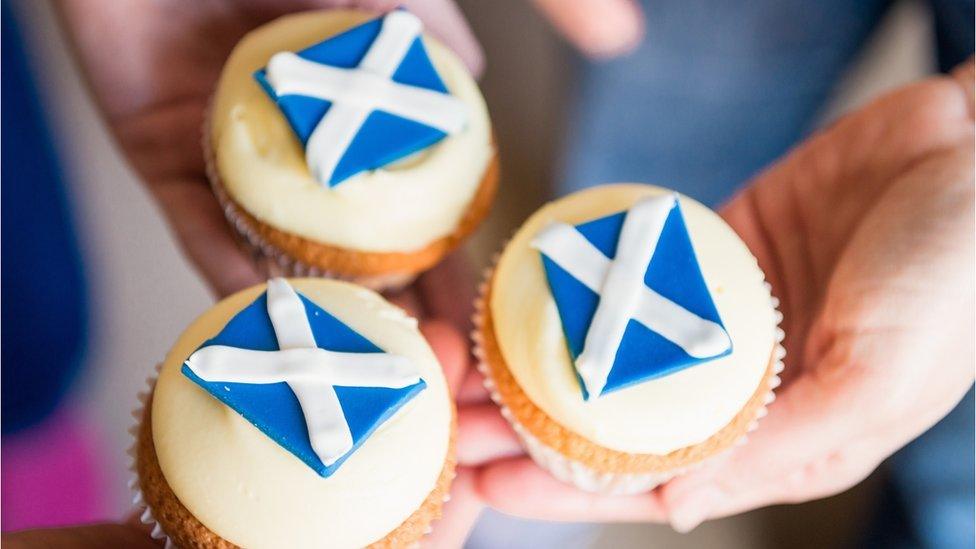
(717, 91)
(44, 310)
(933, 479)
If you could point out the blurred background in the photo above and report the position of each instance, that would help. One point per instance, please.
(138, 293)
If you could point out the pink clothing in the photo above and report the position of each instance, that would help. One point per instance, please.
(52, 474)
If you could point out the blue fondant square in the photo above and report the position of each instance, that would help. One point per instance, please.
(384, 138)
(274, 409)
(672, 272)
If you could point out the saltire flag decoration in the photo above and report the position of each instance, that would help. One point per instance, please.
(307, 380)
(364, 98)
(631, 297)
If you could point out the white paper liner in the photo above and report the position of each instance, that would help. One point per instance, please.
(139, 503)
(575, 472)
(272, 261)
(138, 500)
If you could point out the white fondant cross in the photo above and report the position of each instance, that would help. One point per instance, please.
(310, 372)
(355, 93)
(623, 294)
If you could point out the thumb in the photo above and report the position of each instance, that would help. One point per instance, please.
(461, 513)
(446, 22)
(965, 75)
(598, 28)
(806, 448)
(451, 349)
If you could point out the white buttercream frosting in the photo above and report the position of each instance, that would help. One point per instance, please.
(249, 490)
(399, 208)
(657, 416)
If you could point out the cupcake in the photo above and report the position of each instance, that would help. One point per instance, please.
(349, 145)
(301, 413)
(628, 334)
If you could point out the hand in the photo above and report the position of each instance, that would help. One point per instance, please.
(866, 234)
(445, 320)
(598, 28)
(152, 67)
(460, 513)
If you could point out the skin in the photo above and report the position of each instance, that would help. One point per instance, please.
(865, 232)
(156, 115)
(853, 229)
(460, 512)
(152, 67)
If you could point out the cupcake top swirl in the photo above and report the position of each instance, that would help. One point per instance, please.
(685, 349)
(238, 455)
(364, 98)
(346, 154)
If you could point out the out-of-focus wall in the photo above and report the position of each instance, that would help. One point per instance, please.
(527, 81)
(143, 293)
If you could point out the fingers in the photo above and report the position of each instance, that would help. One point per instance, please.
(484, 435)
(802, 450)
(599, 28)
(965, 74)
(473, 390)
(408, 301)
(451, 349)
(448, 291)
(519, 487)
(445, 22)
(205, 236)
(460, 514)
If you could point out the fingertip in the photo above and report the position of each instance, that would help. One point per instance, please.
(472, 390)
(484, 435)
(965, 76)
(519, 487)
(494, 481)
(446, 22)
(689, 510)
(599, 28)
(460, 513)
(450, 348)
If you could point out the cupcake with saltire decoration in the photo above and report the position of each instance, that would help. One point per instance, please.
(350, 145)
(628, 334)
(300, 413)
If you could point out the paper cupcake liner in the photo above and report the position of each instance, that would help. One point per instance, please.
(274, 262)
(271, 260)
(139, 502)
(575, 472)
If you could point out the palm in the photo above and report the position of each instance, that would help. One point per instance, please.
(866, 234)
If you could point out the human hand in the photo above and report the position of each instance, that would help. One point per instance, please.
(866, 234)
(442, 300)
(598, 28)
(449, 532)
(152, 66)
